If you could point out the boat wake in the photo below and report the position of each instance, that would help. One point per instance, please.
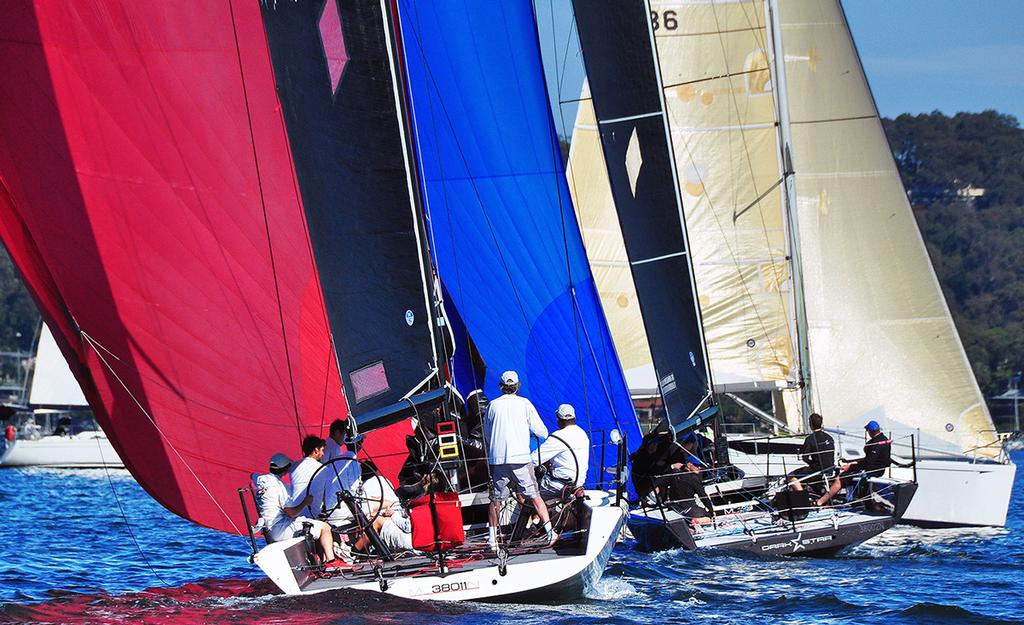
(612, 589)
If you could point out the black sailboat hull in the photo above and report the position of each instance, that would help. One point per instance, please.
(654, 531)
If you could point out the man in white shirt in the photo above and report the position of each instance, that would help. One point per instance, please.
(507, 427)
(342, 473)
(301, 473)
(335, 441)
(281, 521)
(568, 450)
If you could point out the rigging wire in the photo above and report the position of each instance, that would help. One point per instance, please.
(686, 143)
(555, 171)
(477, 383)
(99, 349)
(487, 220)
(124, 517)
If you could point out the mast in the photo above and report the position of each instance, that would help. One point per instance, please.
(393, 35)
(339, 72)
(791, 217)
(486, 147)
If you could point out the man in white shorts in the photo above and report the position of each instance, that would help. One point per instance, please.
(281, 521)
(507, 427)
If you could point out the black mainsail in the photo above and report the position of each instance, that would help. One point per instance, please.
(335, 72)
(618, 52)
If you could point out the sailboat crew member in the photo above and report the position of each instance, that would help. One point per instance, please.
(281, 521)
(301, 473)
(818, 451)
(335, 440)
(685, 493)
(507, 427)
(568, 451)
(877, 458)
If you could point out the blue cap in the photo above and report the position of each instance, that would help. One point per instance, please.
(872, 426)
(689, 438)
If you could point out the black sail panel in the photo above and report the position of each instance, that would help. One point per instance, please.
(627, 101)
(334, 79)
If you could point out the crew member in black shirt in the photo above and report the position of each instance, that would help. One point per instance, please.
(818, 451)
(685, 493)
(877, 458)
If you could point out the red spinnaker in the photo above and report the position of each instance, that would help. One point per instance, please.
(148, 197)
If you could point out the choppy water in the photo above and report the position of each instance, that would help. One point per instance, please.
(67, 556)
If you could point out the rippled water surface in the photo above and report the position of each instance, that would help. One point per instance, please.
(68, 556)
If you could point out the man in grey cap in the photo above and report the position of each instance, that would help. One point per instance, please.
(568, 452)
(281, 521)
(507, 427)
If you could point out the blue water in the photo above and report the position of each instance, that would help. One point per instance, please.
(67, 556)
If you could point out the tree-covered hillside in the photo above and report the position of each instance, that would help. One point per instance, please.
(965, 177)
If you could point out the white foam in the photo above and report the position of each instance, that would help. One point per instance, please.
(611, 589)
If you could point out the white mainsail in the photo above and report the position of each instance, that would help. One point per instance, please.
(53, 384)
(714, 58)
(883, 344)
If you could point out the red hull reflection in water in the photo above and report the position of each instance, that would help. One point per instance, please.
(238, 602)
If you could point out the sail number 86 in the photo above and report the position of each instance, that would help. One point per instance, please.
(667, 19)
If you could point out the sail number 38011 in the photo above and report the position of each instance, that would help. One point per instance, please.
(664, 19)
(453, 587)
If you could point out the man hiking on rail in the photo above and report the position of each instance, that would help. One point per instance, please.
(818, 451)
(877, 458)
(507, 427)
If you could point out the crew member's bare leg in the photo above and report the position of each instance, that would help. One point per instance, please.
(364, 541)
(836, 486)
(327, 542)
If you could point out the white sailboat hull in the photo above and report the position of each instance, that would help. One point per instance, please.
(84, 450)
(953, 491)
(541, 575)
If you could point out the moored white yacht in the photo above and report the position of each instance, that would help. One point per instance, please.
(57, 430)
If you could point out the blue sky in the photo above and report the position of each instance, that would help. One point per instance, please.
(951, 55)
(919, 55)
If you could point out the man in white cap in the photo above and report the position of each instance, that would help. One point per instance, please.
(281, 521)
(507, 427)
(568, 451)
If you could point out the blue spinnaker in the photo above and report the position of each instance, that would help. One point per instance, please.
(500, 219)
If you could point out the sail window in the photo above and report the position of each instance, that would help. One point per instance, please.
(369, 381)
